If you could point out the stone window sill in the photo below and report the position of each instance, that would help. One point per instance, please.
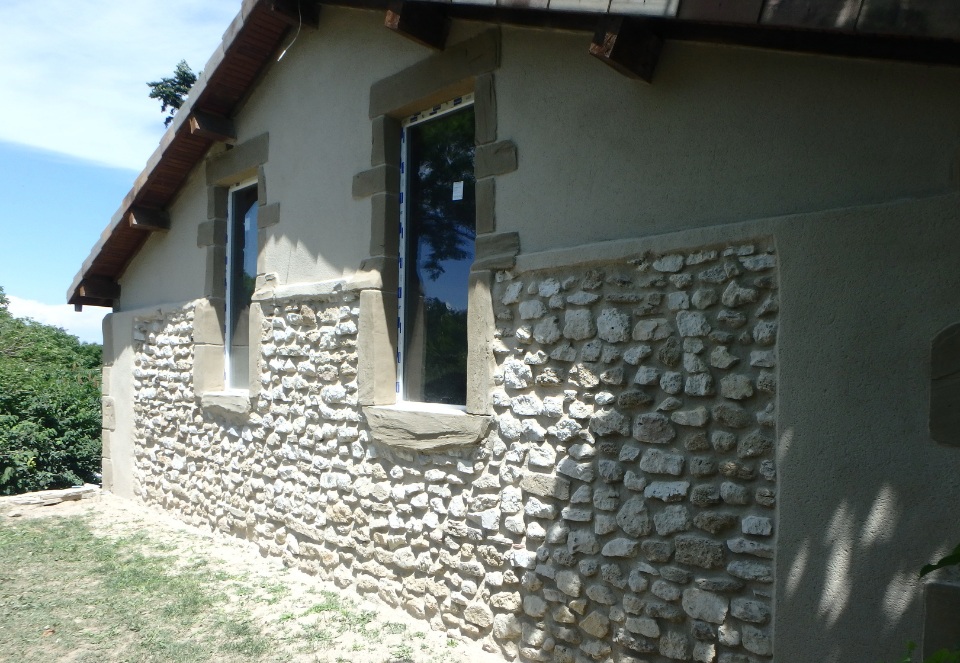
(232, 403)
(425, 426)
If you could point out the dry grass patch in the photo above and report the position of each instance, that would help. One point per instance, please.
(111, 582)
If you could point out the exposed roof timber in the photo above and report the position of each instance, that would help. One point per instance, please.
(297, 12)
(145, 218)
(926, 31)
(630, 48)
(213, 127)
(424, 23)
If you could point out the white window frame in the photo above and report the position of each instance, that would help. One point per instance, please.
(455, 104)
(228, 303)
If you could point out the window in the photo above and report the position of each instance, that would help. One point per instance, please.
(241, 275)
(437, 233)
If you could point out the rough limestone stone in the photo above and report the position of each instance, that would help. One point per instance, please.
(750, 610)
(672, 519)
(613, 326)
(696, 417)
(479, 614)
(655, 329)
(531, 309)
(750, 547)
(757, 525)
(596, 624)
(714, 521)
(736, 386)
(633, 517)
(692, 323)
(745, 570)
(698, 551)
(757, 641)
(545, 485)
(569, 583)
(609, 422)
(675, 645)
(700, 384)
(582, 541)
(547, 331)
(578, 325)
(653, 428)
(730, 415)
(621, 548)
(656, 461)
(706, 606)
(667, 491)
(671, 263)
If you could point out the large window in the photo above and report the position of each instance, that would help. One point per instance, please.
(241, 281)
(437, 233)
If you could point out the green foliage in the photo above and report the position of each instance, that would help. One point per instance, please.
(939, 656)
(49, 406)
(173, 91)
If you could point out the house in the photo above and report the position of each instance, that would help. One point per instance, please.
(589, 331)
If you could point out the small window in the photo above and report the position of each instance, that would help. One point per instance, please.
(437, 233)
(241, 280)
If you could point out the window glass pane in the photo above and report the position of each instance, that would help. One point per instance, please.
(241, 280)
(440, 232)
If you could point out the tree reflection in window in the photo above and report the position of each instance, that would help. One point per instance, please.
(440, 232)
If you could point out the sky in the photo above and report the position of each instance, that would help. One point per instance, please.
(76, 128)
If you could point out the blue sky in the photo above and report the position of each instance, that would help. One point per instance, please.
(76, 127)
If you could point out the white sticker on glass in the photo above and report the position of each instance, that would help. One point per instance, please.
(458, 190)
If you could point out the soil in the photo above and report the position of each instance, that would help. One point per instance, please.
(281, 600)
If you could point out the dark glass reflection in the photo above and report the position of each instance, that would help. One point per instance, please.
(440, 232)
(241, 281)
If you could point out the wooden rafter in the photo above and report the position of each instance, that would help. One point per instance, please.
(215, 127)
(297, 12)
(424, 23)
(146, 218)
(628, 46)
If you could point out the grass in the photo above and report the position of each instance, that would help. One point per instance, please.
(69, 595)
(65, 593)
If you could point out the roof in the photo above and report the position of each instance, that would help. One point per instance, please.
(910, 30)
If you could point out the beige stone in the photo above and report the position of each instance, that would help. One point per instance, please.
(425, 429)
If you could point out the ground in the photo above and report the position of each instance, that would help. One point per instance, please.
(97, 578)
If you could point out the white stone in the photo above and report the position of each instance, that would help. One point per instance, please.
(613, 326)
(548, 287)
(672, 519)
(700, 384)
(757, 525)
(720, 357)
(511, 294)
(578, 324)
(672, 382)
(692, 323)
(678, 301)
(656, 461)
(532, 309)
(696, 417)
(636, 354)
(706, 606)
(670, 263)
(527, 405)
(547, 330)
(668, 491)
(516, 374)
(655, 329)
(646, 375)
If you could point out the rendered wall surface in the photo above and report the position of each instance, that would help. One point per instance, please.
(705, 159)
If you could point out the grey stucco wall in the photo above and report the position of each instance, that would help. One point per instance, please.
(724, 135)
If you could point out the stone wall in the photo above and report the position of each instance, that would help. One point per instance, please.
(621, 509)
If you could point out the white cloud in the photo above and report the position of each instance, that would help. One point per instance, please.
(74, 73)
(85, 325)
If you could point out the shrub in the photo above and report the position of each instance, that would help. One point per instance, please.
(49, 406)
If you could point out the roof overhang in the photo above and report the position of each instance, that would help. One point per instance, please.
(926, 31)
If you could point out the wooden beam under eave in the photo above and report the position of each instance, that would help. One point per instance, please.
(632, 48)
(213, 127)
(425, 23)
(297, 13)
(97, 288)
(146, 218)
